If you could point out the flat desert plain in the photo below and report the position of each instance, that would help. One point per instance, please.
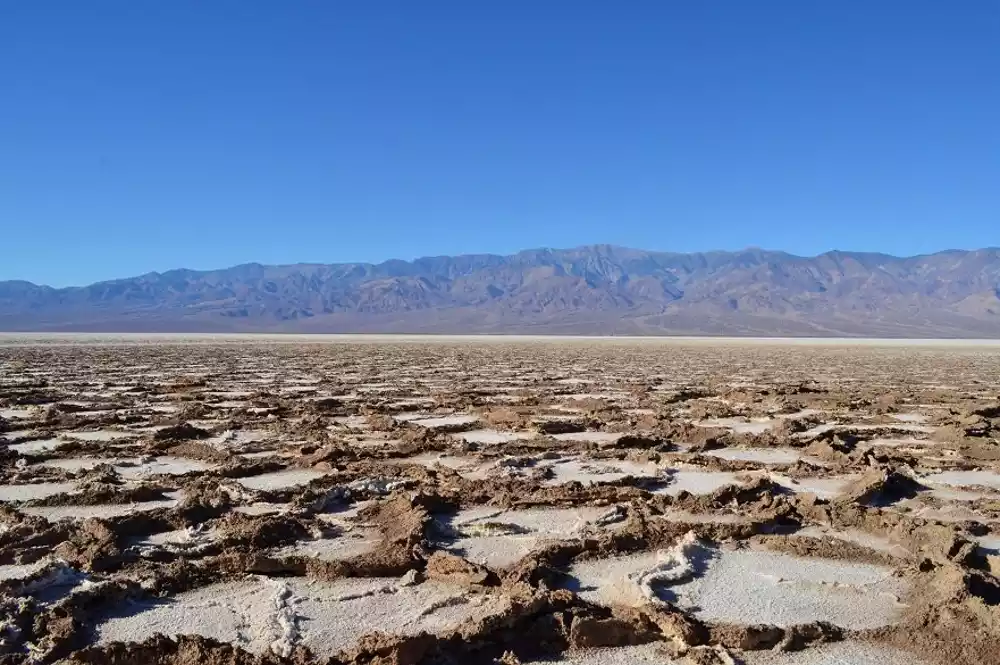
(445, 500)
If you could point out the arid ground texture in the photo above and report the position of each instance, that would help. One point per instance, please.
(222, 501)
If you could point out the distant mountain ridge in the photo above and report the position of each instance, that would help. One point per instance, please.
(598, 289)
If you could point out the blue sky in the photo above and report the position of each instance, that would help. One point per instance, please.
(139, 136)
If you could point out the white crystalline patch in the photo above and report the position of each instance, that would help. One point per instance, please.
(38, 446)
(347, 545)
(901, 442)
(910, 417)
(837, 653)
(965, 478)
(760, 455)
(990, 543)
(747, 587)
(56, 513)
(824, 488)
(468, 467)
(352, 421)
(20, 571)
(410, 403)
(237, 438)
(100, 435)
(228, 394)
(262, 508)
(263, 454)
(599, 471)
(163, 465)
(489, 538)
(446, 421)
(16, 414)
(491, 437)
(589, 437)
(676, 515)
(816, 431)
(33, 491)
(280, 479)
(264, 616)
(131, 468)
(180, 537)
(739, 425)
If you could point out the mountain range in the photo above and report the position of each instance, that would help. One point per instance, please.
(598, 289)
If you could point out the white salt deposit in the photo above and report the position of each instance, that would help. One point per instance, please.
(468, 467)
(131, 468)
(162, 465)
(759, 455)
(589, 437)
(498, 538)
(739, 425)
(355, 422)
(37, 446)
(262, 454)
(20, 571)
(491, 437)
(262, 508)
(836, 653)
(100, 435)
(16, 414)
(698, 482)
(359, 540)
(33, 491)
(180, 537)
(965, 478)
(56, 513)
(990, 543)
(599, 471)
(263, 615)
(823, 487)
(280, 479)
(677, 515)
(910, 417)
(446, 421)
(749, 587)
(411, 416)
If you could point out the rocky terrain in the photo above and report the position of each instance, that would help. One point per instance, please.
(185, 501)
(589, 290)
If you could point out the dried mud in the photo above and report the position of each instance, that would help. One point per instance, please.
(462, 502)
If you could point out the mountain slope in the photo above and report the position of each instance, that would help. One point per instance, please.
(596, 289)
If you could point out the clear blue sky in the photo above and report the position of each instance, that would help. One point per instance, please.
(139, 136)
